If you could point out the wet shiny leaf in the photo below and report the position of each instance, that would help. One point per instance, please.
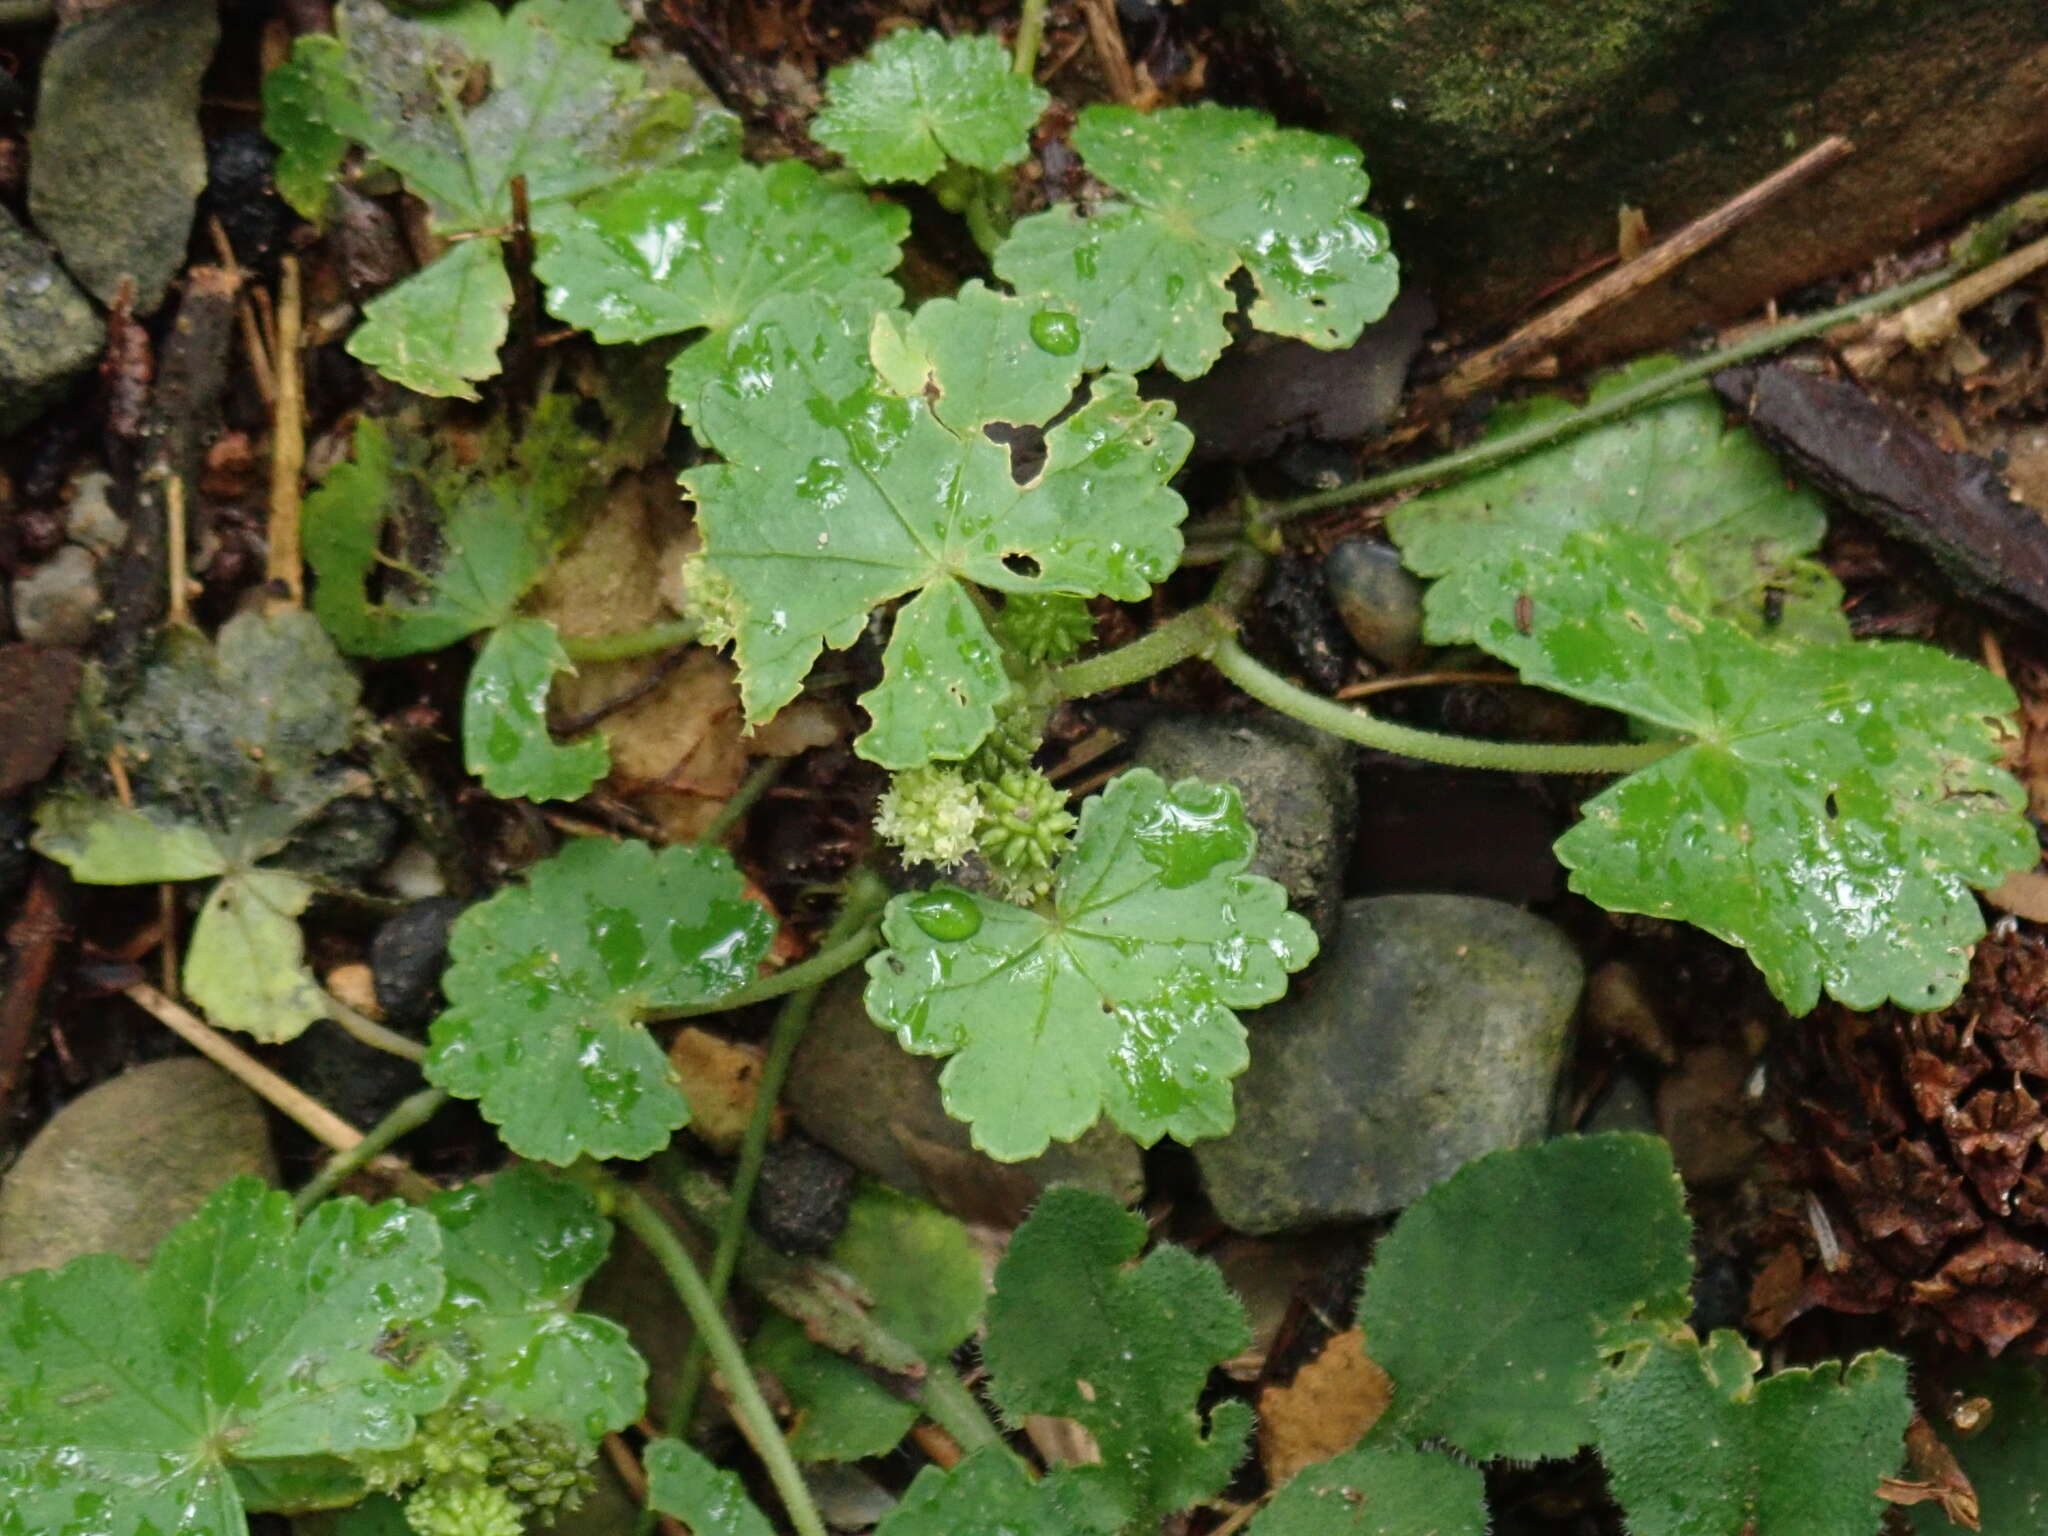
(1379, 1490)
(1741, 537)
(1561, 1247)
(918, 100)
(549, 982)
(1119, 1000)
(556, 109)
(439, 330)
(125, 1393)
(682, 1483)
(517, 1250)
(1833, 807)
(1695, 1446)
(1078, 1330)
(984, 356)
(246, 963)
(702, 249)
(473, 536)
(505, 740)
(1207, 190)
(839, 493)
(922, 1274)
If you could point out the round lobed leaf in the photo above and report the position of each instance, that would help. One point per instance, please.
(917, 100)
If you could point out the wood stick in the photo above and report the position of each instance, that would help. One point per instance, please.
(1933, 319)
(286, 1097)
(286, 567)
(1537, 340)
(1366, 690)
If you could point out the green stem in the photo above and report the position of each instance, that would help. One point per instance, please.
(1030, 33)
(367, 1031)
(1275, 691)
(406, 1116)
(829, 1316)
(1494, 450)
(821, 967)
(627, 644)
(750, 1409)
(1186, 634)
(752, 788)
(864, 899)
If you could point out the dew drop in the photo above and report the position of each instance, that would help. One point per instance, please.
(947, 915)
(1056, 332)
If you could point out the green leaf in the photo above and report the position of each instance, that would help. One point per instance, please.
(505, 739)
(2007, 1460)
(246, 966)
(1207, 190)
(1379, 1490)
(986, 1494)
(1078, 1330)
(684, 250)
(1489, 1301)
(517, 1251)
(1120, 998)
(309, 153)
(439, 330)
(126, 1393)
(839, 493)
(1834, 804)
(1694, 1446)
(549, 981)
(493, 525)
(680, 1482)
(1739, 535)
(922, 1274)
(984, 356)
(918, 100)
(103, 842)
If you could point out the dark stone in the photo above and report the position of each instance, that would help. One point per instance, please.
(406, 959)
(241, 193)
(1378, 600)
(1502, 134)
(16, 860)
(116, 162)
(37, 686)
(1433, 1030)
(358, 1082)
(1297, 605)
(1298, 792)
(800, 1205)
(49, 332)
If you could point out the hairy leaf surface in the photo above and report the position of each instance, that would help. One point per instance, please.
(1207, 190)
(1694, 1446)
(126, 1394)
(1121, 998)
(1379, 1490)
(1078, 1330)
(548, 983)
(1740, 535)
(987, 1492)
(917, 100)
(1833, 807)
(838, 493)
(1490, 1300)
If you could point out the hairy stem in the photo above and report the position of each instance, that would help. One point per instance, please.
(1273, 690)
(750, 1409)
(628, 644)
(367, 1031)
(1484, 455)
(407, 1116)
(1186, 634)
(821, 967)
(864, 899)
(1030, 33)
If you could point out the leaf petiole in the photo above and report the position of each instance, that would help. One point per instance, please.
(819, 968)
(1274, 691)
(630, 643)
(750, 1409)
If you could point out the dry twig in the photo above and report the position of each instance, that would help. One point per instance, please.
(285, 568)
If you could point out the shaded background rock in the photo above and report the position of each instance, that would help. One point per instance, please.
(49, 332)
(853, 1088)
(1432, 1031)
(1502, 135)
(117, 1168)
(1297, 788)
(116, 159)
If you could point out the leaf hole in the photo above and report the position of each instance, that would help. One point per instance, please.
(1023, 565)
(1026, 447)
(1832, 807)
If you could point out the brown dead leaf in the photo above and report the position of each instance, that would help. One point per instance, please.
(1703, 1113)
(1326, 1409)
(1937, 1478)
(719, 1079)
(2024, 895)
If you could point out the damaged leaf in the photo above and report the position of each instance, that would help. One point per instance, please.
(839, 493)
(1206, 190)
